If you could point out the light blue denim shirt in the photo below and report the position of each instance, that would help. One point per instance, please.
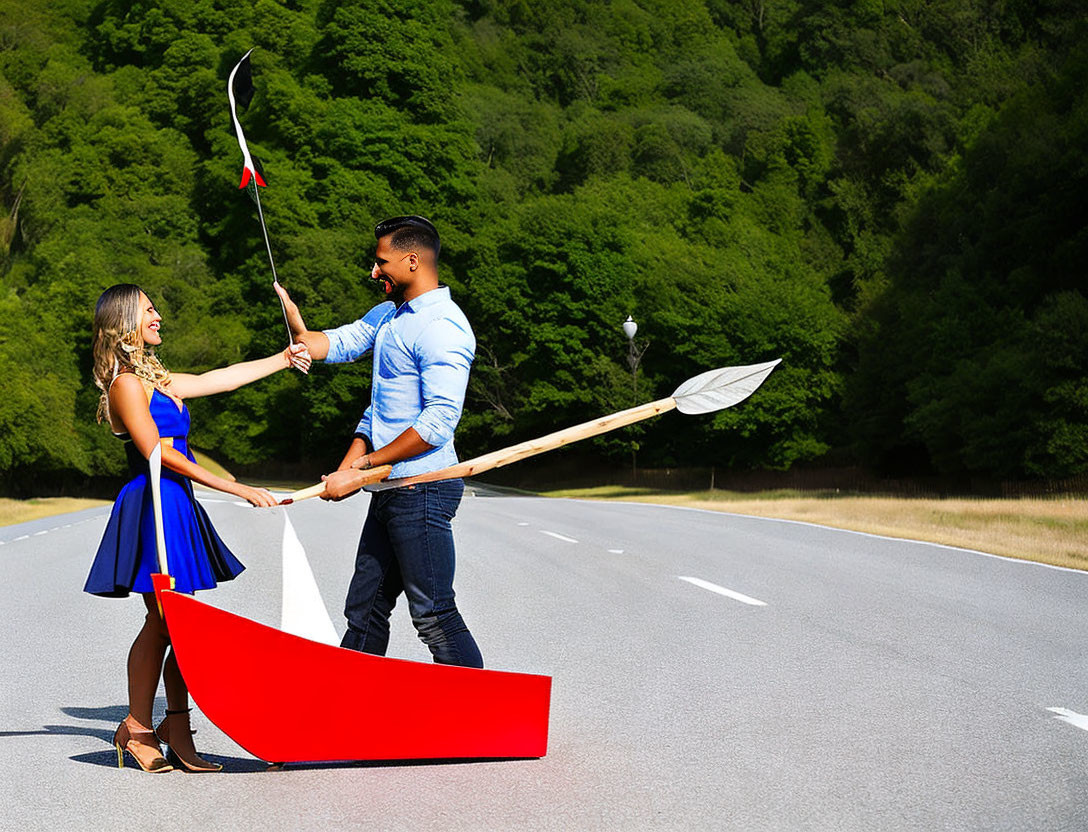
(422, 355)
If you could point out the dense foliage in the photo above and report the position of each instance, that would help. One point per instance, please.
(890, 196)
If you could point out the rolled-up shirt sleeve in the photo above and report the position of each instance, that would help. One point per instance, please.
(444, 353)
(364, 427)
(352, 341)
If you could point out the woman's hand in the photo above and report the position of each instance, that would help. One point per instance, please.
(260, 497)
(298, 356)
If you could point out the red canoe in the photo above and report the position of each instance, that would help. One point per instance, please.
(288, 699)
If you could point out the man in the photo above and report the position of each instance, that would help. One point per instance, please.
(423, 348)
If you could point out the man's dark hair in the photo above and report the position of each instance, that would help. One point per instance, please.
(410, 233)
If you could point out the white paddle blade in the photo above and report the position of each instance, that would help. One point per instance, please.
(154, 466)
(721, 388)
(302, 612)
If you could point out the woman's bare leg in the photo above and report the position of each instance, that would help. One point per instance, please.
(178, 734)
(135, 734)
(145, 662)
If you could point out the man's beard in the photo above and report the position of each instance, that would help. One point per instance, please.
(394, 292)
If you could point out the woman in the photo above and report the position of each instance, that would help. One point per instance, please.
(144, 404)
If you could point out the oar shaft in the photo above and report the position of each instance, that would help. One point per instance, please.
(515, 453)
(505, 456)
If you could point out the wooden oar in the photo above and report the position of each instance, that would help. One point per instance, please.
(705, 393)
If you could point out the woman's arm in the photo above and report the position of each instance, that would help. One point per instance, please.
(128, 402)
(189, 386)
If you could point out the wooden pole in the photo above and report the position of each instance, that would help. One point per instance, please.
(514, 453)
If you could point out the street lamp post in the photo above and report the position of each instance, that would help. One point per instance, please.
(634, 353)
(634, 356)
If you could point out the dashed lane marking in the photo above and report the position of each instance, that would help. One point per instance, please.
(721, 590)
(1072, 717)
(558, 536)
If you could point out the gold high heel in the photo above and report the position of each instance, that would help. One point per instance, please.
(124, 739)
(163, 733)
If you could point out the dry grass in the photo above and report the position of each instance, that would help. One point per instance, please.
(209, 464)
(21, 511)
(1053, 531)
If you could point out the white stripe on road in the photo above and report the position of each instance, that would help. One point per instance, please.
(1072, 717)
(721, 590)
(20, 537)
(43, 531)
(523, 524)
(616, 551)
(562, 537)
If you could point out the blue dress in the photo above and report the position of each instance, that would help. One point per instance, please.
(195, 554)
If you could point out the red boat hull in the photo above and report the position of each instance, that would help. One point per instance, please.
(288, 699)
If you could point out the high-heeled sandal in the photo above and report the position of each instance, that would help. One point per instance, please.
(163, 733)
(124, 739)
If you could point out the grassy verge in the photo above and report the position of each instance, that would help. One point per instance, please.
(22, 511)
(209, 464)
(1053, 531)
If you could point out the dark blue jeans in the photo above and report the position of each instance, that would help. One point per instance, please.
(407, 546)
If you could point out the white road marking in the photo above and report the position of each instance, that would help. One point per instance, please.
(303, 612)
(721, 590)
(20, 537)
(43, 531)
(523, 524)
(1072, 717)
(616, 551)
(562, 537)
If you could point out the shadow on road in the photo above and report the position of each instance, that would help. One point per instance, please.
(231, 765)
(112, 715)
(451, 761)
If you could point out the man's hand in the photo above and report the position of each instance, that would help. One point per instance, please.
(341, 484)
(317, 343)
(294, 317)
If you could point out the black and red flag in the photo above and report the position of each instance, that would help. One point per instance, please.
(240, 91)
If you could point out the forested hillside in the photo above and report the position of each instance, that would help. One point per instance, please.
(890, 196)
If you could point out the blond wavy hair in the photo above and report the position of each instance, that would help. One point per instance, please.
(118, 347)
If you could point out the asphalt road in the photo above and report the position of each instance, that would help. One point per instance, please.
(710, 671)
